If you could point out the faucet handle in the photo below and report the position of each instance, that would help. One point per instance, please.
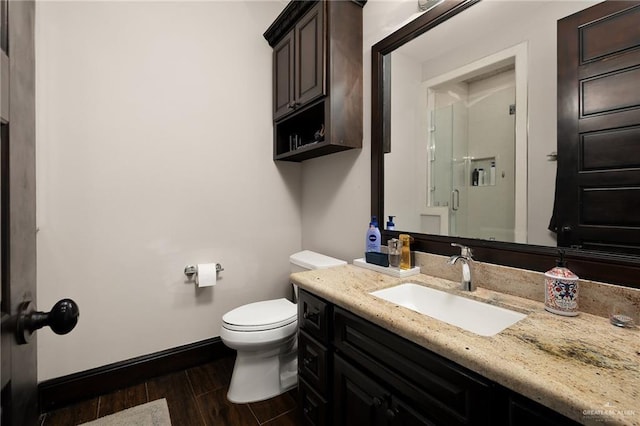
(464, 250)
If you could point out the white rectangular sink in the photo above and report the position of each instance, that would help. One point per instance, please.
(471, 315)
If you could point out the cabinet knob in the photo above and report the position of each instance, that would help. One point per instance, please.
(307, 361)
(307, 410)
(391, 413)
(311, 316)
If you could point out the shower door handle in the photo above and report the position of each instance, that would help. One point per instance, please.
(455, 200)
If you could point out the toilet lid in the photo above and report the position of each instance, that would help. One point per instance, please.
(263, 315)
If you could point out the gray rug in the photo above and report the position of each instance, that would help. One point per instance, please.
(154, 413)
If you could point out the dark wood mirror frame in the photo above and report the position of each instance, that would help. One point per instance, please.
(599, 266)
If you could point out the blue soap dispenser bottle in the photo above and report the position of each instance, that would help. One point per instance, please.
(390, 225)
(373, 236)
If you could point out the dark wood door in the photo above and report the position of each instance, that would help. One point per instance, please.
(283, 76)
(310, 55)
(18, 209)
(598, 185)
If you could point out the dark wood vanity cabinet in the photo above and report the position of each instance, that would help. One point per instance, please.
(414, 386)
(353, 372)
(317, 78)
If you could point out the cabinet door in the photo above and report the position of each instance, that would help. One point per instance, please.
(314, 407)
(312, 363)
(314, 315)
(401, 413)
(283, 76)
(358, 400)
(310, 56)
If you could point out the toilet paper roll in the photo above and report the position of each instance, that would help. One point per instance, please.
(206, 276)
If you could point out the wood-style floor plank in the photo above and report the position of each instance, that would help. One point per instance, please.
(75, 414)
(274, 407)
(211, 376)
(218, 411)
(122, 399)
(290, 418)
(195, 397)
(175, 387)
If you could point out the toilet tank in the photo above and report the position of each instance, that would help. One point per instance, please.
(306, 260)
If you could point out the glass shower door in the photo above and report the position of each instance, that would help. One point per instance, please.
(440, 160)
(449, 165)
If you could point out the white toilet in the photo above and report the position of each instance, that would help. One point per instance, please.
(264, 334)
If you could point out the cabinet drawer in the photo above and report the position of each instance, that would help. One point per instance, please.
(445, 392)
(313, 362)
(313, 316)
(314, 407)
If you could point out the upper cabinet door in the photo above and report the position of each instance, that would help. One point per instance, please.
(598, 185)
(310, 81)
(283, 76)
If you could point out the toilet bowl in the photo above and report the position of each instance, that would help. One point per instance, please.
(264, 334)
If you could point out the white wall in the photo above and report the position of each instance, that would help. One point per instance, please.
(154, 140)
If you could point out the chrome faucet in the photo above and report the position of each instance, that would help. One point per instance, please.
(466, 257)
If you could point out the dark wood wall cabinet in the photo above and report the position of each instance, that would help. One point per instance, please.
(353, 372)
(317, 78)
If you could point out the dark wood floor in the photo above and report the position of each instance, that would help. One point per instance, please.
(197, 396)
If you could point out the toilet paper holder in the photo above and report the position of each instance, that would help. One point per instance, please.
(191, 270)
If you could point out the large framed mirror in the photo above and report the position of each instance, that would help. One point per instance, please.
(433, 94)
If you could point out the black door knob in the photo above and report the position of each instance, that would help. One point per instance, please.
(62, 319)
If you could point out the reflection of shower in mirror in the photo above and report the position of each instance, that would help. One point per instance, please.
(468, 160)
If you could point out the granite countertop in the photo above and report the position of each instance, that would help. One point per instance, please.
(582, 367)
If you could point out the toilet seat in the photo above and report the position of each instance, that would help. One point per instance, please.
(260, 316)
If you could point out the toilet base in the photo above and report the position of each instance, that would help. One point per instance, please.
(262, 375)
